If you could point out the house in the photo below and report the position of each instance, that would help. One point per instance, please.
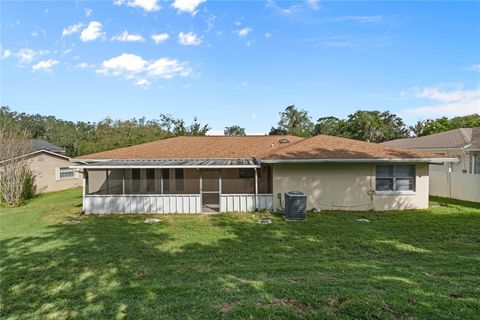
(463, 144)
(459, 180)
(248, 173)
(51, 167)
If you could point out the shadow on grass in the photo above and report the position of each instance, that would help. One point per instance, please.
(230, 266)
(445, 202)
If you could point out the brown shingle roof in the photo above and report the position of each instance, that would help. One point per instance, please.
(203, 147)
(457, 138)
(260, 147)
(329, 147)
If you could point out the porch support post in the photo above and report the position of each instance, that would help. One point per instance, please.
(84, 191)
(200, 190)
(256, 189)
(123, 182)
(161, 181)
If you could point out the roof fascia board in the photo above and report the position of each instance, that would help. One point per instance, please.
(163, 167)
(39, 151)
(386, 160)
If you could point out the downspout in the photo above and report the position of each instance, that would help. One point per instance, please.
(256, 189)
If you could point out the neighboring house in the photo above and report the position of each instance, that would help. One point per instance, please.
(463, 144)
(51, 167)
(248, 173)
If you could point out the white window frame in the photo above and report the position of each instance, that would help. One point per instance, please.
(395, 177)
(59, 175)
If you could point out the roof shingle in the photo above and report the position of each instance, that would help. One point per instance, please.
(201, 147)
(330, 147)
(259, 147)
(457, 138)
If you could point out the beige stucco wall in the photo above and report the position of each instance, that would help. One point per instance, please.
(344, 187)
(45, 167)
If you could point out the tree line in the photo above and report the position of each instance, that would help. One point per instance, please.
(78, 137)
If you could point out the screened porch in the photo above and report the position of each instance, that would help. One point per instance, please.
(174, 188)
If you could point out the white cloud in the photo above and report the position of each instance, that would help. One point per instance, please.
(254, 115)
(284, 11)
(168, 68)
(88, 12)
(92, 32)
(268, 35)
(189, 39)
(475, 67)
(189, 6)
(74, 28)
(140, 70)
(124, 64)
(127, 37)
(360, 19)
(144, 83)
(5, 53)
(244, 31)
(84, 65)
(314, 4)
(44, 65)
(161, 37)
(27, 55)
(447, 103)
(147, 5)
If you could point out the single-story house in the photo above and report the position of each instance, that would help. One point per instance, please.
(51, 167)
(463, 144)
(247, 173)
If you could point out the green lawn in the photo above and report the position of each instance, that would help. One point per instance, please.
(403, 265)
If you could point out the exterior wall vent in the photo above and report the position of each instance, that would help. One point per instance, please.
(295, 205)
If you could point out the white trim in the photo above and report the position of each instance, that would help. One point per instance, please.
(38, 151)
(379, 160)
(395, 193)
(164, 167)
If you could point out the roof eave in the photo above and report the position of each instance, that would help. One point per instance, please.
(363, 160)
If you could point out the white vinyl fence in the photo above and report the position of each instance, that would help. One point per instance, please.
(462, 186)
(244, 202)
(173, 203)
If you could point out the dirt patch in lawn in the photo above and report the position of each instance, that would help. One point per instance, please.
(283, 302)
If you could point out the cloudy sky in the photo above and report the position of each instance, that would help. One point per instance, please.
(239, 62)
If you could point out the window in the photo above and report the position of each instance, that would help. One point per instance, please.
(395, 178)
(166, 179)
(136, 180)
(246, 173)
(179, 184)
(66, 173)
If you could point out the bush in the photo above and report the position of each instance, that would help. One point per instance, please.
(29, 185)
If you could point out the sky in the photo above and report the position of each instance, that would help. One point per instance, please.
(239, 62)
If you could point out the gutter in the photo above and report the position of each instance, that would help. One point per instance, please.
(86, 166)
(379, 160)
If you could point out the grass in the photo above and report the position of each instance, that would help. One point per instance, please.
(403, 265)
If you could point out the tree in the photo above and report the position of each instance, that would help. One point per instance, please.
(444, 124)
(418, 128)
(294, 121)
(234, 130)
(375, 126)
(331, 126)
(17, 181)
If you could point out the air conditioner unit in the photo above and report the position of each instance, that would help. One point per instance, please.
(295, 205)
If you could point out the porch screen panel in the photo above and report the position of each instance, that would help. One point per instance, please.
(97, 182)
(238, 181)
(115, 181)
(166, 180)
(136, 181)
(150, 180)
(179, 183)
